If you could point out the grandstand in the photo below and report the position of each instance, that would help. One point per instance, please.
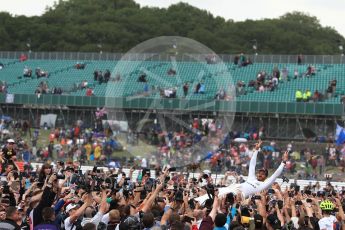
(267, 104)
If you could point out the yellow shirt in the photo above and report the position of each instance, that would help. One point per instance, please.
(88, 150)
(98, 152)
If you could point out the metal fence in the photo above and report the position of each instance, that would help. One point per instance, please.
(194, 105)
(260, 58)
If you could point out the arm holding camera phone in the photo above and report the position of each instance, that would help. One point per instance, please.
(340, 207)
(148, 203)
(215, 207)
(279, 215)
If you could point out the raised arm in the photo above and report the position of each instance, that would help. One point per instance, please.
(252, 164)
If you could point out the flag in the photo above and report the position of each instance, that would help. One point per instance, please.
(339, 135)
(337, 131)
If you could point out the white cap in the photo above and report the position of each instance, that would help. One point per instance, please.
(10, 141)
(70, 207)
(208, 172)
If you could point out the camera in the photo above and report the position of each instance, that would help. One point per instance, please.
(308, 192)
(270, 191)
(178, 196)
(298, 202)
(280, 204)
(60, 176)
(230, 198)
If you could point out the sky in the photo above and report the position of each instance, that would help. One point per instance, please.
(329, 12)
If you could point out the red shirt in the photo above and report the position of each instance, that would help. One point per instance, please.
(89, 92)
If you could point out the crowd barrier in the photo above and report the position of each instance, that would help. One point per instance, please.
(218, 177)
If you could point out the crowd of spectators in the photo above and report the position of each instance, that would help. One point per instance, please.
(59, 195)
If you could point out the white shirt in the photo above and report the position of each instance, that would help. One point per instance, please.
(95, 220)
(105, 218)
(143, 163)
(68, 224)
(252, 185)
(326, 223)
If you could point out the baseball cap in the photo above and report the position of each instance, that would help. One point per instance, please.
(10, 141)
(70, 207)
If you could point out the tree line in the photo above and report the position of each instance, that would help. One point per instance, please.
(118, 25)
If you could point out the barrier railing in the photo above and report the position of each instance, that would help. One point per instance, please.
(260, 58)
(189, 105)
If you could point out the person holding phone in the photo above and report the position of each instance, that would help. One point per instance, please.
(254, 183)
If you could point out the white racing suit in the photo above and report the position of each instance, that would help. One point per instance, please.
(250, 186)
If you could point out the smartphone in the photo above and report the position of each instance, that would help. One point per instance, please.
(205, 176)
(40, 184)
(173, 169)
(297, 188)
(280, 204)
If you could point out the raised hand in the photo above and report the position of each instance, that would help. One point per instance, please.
(286, 156)
(258, 145)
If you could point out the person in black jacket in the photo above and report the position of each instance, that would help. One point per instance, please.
(47, 199)
(11, 217)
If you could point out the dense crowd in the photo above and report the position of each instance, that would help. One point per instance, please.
(64, 197)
